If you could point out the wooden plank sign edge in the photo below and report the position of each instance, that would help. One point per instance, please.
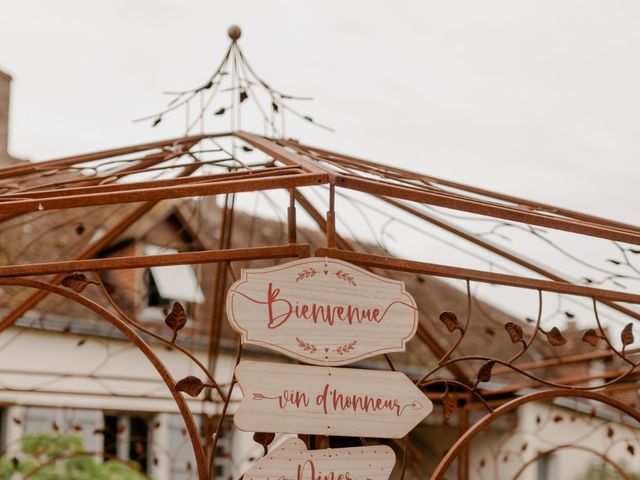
(287, 398)
(292, 461)
(306, 335)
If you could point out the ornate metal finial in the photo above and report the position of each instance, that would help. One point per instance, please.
(239, 85)
(234, 32)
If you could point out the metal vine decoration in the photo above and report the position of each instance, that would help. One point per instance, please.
(236, 77)
(492, 342)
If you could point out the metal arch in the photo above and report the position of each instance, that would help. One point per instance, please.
(125, 329)
(295, 169)
(510, 406)
(543, 454)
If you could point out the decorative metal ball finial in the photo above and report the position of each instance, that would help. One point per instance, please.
(234, 32)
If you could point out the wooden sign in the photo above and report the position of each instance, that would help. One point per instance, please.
(292, 461)
(322, 311)
(327, 401)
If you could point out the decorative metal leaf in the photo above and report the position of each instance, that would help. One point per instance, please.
(448, 406)
(77, 282)
(274, 105)
(264, 439)
(139, 449)
(176, 319)
(450, 320)
(484, 374)
(555, 338)
(190, 385)
(156, 121)
(243, 96)
(515, 332)
(220, 111)
(591, 337)
(627, 334)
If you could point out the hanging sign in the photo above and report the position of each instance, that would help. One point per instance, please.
(327, 401)
(322, 311)
(292, 461)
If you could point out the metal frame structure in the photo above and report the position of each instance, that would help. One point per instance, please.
(36, 189)
(129, 182)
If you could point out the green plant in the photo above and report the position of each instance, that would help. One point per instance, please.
(52, 456)
(603, 471)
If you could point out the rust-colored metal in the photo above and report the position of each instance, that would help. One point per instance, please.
(90, 251)
(510, 406)
(279, 153)
(462, 375)
(184, 258)
(503, 252)
(29, 168)
(162, 193)
(431, 180)
(478, 207)
(129, 332)
(320, 220)
(476, 275)
(463, 426)
(224, 242)
(173, 182)
(292, 230)
(331, 218)
(605, 458)
(470, 381)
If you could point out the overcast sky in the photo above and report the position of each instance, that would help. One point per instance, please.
(539, 99)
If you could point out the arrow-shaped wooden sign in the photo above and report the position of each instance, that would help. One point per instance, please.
(292, 461)
(327, 401)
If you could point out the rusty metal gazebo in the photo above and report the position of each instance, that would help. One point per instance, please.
(128, 182)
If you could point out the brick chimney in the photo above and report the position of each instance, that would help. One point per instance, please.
(5, 94)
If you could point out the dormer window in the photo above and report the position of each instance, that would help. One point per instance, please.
(165, 285)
